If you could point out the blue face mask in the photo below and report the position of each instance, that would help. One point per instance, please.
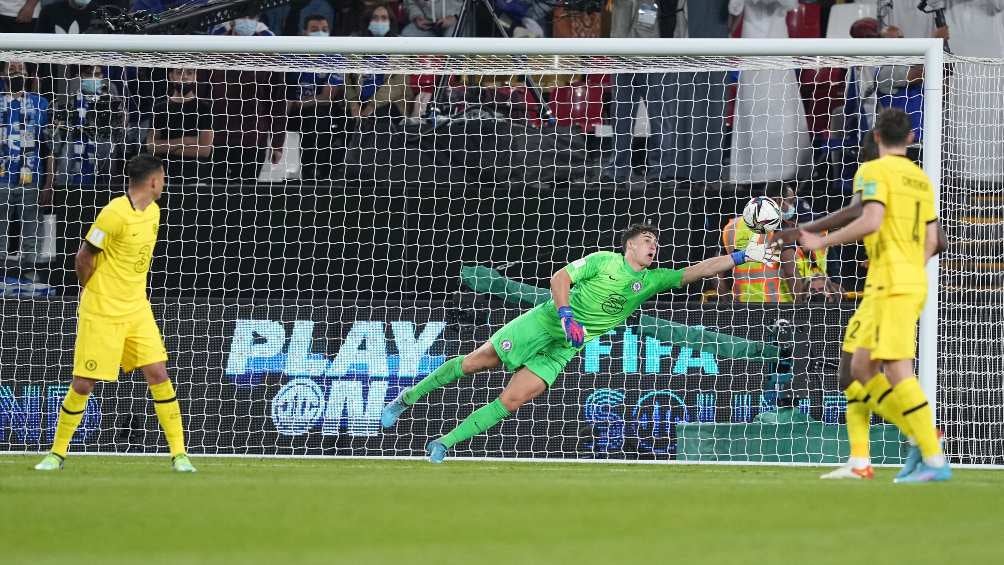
(789, 214)
(245, 26)
(319, 34)
(379, 29)
(92, 85)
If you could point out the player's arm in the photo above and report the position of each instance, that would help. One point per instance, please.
(936, 241)
(837, 219)
(83, 263)
(867, 223)
(758, 252)
(561, 287)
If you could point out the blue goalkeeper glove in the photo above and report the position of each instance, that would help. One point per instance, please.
(574, 332)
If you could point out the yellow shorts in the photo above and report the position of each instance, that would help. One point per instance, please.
(886, 325)
(104, 344)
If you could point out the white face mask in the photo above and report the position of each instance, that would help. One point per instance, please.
(319, 33)
(245, 26)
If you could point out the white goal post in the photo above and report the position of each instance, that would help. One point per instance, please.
(436, 57)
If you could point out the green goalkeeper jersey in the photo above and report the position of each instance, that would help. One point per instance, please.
(606, 292)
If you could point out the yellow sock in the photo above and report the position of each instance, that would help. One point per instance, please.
(70, 414)
(917, 413)
(886, 404)
(858, 421)
(169, 413)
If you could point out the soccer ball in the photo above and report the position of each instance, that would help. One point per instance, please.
(762, 215)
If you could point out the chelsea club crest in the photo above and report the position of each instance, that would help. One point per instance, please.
(636, 286)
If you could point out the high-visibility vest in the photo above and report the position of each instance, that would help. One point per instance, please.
(756, 282)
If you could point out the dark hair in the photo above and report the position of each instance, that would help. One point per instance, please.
(637, 229)
(893, 126)
(869, 148)
(140, 167)
(315, 18)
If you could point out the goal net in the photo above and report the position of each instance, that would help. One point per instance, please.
(339, 220)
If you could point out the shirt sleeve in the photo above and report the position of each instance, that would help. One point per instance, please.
(105, 229)
(587, 267)
(872, 185)
(666, 279)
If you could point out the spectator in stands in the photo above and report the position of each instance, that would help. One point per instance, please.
(796, 278)
(91, 134)
(902, 87)
(182, 130)
(249, 109)
(19, 16)
(247, 25)
(633, 18)
(316, 109)
(377, 95)
(770, 137)
(431, 18)
(26, 162)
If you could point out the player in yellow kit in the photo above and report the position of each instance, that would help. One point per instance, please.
(898, 223)
(115, 324)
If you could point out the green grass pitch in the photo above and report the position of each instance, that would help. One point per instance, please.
(113, 510)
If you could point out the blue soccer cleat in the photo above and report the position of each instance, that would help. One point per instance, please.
(926, 474)
(436, 451)
(912, 460)
(393, 411)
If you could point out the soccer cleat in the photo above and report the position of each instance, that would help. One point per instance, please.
(846, 471)
(50, 462)
(436, 451)
(910, 465)
(926, 474)
(393, 411)
(913, 458)
(182, 464)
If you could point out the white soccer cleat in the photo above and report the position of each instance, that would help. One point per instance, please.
(848, 471)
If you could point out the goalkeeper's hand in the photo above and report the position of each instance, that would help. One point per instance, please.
(574, 332)
(761, 252)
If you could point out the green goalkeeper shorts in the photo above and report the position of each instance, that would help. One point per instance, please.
(527, 342)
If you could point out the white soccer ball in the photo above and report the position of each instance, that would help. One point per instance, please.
(762, 215)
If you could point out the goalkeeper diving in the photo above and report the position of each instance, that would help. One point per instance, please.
(589, 297)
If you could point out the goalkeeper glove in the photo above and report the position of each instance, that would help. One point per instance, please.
(759, 252)
(574, 332)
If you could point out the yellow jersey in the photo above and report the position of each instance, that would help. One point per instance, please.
(896, 250)
(126, 237)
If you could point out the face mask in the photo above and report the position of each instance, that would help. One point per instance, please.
(80, 3)
(319, 34)
(184, 88)
(92, 85)
(245, 26)
(379, 29)
(16, 83)
(788, 214)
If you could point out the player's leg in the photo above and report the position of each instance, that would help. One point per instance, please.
(71, 412)
(96, 355)
(541, 359)
(482, 358)
(524, 386)
(896, 344)
(165, 404)
(858, 417)
(144, 349)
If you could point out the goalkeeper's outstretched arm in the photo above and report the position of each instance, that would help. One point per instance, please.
(758, 252)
